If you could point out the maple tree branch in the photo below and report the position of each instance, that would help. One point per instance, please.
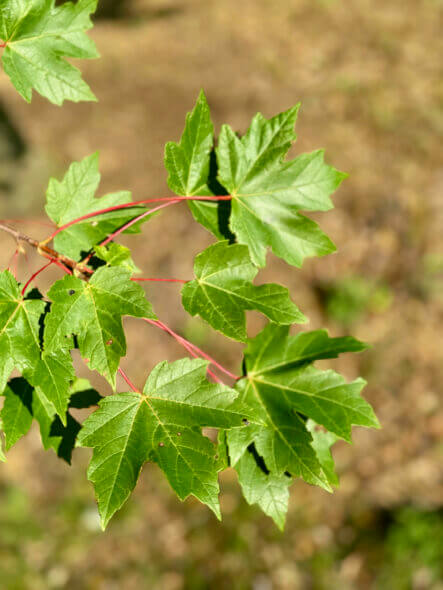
(45, 251)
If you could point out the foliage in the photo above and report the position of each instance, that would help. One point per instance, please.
(277, 421)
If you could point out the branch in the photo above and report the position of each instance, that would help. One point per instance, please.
(45, 251)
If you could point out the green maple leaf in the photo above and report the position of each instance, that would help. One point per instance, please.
(116, 255)
(23, 403)
(223, 291)
(38, 35)
(19, 328)
(284, 389)
(74, 197)
(322, 442)
(20, 319)
(52, 378)
(189, 165)
(16, 413)
(188, 161)
(93, 312)
(268, 193)
(162, 424)
(274, 350)
(269, 491)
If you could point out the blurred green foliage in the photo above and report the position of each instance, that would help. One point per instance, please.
(350, 298)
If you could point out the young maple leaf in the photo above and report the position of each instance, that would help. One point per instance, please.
(222, 291)
(269, 193)
(74, 197)
(37, 35)
(162, 424)
(93, 312)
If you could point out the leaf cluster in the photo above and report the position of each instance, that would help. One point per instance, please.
(276, 421)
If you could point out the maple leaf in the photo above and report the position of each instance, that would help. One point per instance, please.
(284, 389)
(162, 424)
(16, 413)
(322, 442)
(189, 165)
(268, 193)
(37, 35)
(93, 312)
(20, 319)
(23, 403)
(74, 197)
(116, 255)
(223, 291)
(19, 328)
(269, 491)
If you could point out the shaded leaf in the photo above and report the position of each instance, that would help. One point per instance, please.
(16, 413)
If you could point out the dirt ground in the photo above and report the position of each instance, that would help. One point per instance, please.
(369, 77)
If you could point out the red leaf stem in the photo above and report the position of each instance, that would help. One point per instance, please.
(128, 381)
(189, 345)
(29, 281)
(133, 204)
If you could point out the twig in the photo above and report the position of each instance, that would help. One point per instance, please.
(45, 251)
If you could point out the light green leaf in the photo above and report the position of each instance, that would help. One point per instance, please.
(116, 255)
(74, 197)
(268, 490)
(162, 424)
(323, 396)
(223, 291)
(93, 312)
(38, 35)
(322, 442)
(268, 193)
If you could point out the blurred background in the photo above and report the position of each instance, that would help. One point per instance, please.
(369, 76)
